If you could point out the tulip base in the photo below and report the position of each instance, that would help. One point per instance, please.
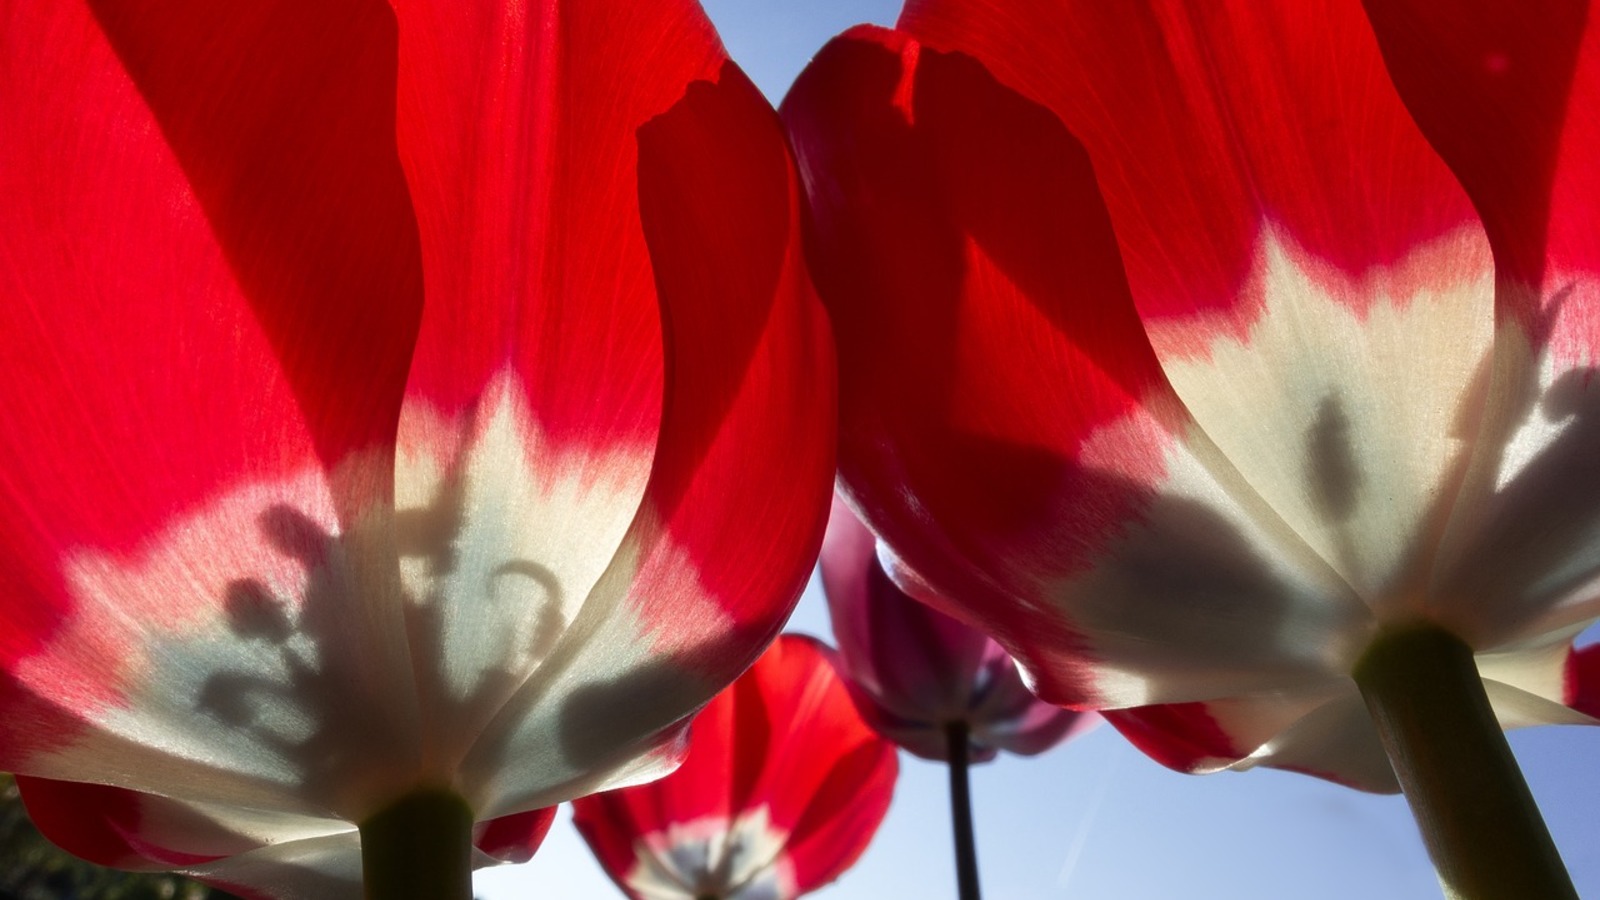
(419, 848)
(1477, 817)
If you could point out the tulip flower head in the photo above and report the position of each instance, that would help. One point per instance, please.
(1196, 424)
(1207, 353)
(916, 672)
(783, 788)
(388, 410)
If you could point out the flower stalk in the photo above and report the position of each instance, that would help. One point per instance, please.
(1477, 817)
(419, 847)
(961, 811)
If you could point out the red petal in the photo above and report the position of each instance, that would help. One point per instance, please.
(1327, 735)
(124, 829)
(1180, 736)
(518, 128)
(514, 838)
(983, 322)
(1505, 97)
(744, 466)
(827, 777)
(1583, 680)
(1206, 122)
(611, 223)
(609, 216)
(211, 273)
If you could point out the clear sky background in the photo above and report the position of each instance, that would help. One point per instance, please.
(1094, 818)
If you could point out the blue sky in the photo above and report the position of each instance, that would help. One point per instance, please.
(1095, 818)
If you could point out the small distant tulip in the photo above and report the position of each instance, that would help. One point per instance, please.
(783, 788)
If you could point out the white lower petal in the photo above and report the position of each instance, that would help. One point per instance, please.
(248, 654)
(1351, 403)
(601, 711)
(503, 539)
(1521, 560)
(1207, 593)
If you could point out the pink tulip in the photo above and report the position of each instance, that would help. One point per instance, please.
(783, 788)
(390, 405)
(916, 672)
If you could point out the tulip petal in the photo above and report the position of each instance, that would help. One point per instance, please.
(518, 129)
(251, 852)
(514, 838)
(324, 868)
(1505, 98)
(1583, 681)
(830, 803)
(1233, 117)
(212, 285)
(1336, 741)
(534, 401)
(1008, 427)
(125, 829)
(723, 541)
(256, 854)
(1498, 91)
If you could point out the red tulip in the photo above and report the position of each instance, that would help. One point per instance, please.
(390, 401)
(1201, 440)
(1205, 353)
(783, 787)
(916, 671)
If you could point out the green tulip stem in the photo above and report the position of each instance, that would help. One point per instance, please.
(956, 733)
(419, 848)
(1482, 829)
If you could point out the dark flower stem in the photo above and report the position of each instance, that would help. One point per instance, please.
(1470, 801)
(419, 848)
(961, 812)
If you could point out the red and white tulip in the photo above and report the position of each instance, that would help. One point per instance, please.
(1187, 348)
(390, 401)
(783, 788)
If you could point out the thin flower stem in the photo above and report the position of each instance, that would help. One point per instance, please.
(1470, 801)
(419, 848)
(961, 812)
